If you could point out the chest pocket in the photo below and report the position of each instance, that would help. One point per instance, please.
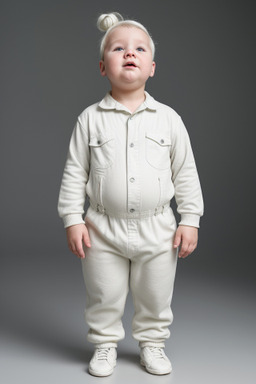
(158, 150)
(102, 151)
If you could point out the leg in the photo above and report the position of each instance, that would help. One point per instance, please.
(106, 276)
(152, 280)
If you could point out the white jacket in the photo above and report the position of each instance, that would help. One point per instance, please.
(128, 164)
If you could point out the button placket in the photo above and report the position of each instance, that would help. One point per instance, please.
(133, 195)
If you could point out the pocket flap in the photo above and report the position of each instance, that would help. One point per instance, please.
(98, 141)
(161, 140)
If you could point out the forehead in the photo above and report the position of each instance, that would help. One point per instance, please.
(126, 33)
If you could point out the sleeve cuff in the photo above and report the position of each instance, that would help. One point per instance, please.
(73, 220)
(190, 219)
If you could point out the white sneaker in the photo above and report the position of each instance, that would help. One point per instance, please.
(103, 361)
(155, 360)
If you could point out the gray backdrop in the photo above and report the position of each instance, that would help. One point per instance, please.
(205, 55)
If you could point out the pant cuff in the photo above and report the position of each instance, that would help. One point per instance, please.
(158, 344)
(106, 345)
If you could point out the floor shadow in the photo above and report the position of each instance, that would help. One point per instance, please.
(50, 336)
(131, 357)
(46, 336)
(43, 343)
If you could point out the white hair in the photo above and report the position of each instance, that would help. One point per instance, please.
(109, 21)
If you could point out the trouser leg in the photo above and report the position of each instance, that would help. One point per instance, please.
(106, 277)
(152, 279)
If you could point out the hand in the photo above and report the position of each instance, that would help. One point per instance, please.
(76, 236)
(186, 237)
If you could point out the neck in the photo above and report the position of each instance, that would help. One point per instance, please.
(130, 99)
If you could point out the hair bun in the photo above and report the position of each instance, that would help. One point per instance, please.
(107, 20)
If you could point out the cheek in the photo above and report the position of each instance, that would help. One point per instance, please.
(113, 67)
(110, 63)
(149, 70)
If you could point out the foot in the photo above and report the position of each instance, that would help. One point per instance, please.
(103, 361)
(155, 360)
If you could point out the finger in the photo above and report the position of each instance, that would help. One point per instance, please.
(86, 240)
(73, 249)
(80, 252)
(177, 240)
(183, 250)
(189, 251)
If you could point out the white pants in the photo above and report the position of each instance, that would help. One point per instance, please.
(130, 251)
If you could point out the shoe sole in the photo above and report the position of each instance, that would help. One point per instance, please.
(101, 374)
(155, 372)
(97, 374)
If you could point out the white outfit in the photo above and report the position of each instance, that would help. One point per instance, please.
(130, 166)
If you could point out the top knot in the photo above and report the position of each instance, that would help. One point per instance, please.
(107, 20)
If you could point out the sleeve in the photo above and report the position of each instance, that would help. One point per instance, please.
(188, 194)
(75, 176)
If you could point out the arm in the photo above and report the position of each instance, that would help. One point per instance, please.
(75, 176)
(188, 194)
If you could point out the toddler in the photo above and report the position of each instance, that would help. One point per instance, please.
(129, 154)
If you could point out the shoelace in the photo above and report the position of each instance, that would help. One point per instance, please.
(102, 353)
(157, 352)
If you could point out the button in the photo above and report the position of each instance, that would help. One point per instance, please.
(132, 179)
(99, 142)
(131, 145)
(132, 210)
(162, 141)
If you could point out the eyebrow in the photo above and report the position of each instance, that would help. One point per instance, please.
(120, 41)
(137, 41)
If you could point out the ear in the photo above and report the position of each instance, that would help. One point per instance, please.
(102, 68)
(153, 69)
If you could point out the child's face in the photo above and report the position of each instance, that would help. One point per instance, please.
(127, 58)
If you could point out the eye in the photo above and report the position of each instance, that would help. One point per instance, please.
(118, 49)
(140, 49)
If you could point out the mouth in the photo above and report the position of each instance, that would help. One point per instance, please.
(130, 64)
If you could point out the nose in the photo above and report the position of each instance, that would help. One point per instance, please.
(130, 53)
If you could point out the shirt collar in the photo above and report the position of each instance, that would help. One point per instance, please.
(108, 102)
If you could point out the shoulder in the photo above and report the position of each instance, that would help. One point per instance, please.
(162, 110)
(167, 110)
(168, 117)
(89, 111)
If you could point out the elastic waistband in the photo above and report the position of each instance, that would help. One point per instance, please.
(131, 215)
